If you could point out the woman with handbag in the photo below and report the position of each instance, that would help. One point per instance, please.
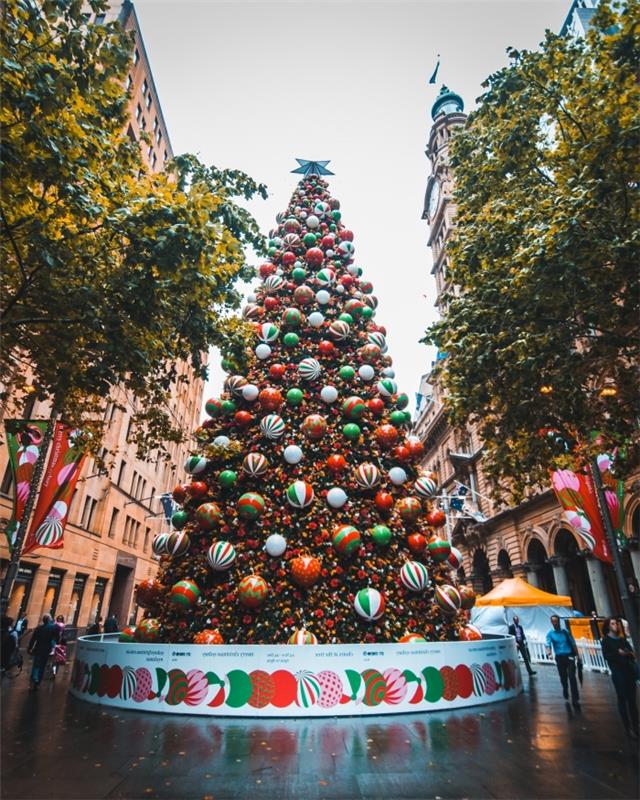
(622, 662)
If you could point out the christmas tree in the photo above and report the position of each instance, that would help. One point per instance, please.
(307, 518)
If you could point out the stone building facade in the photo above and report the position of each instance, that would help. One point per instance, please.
(498, 541)
(115, 514)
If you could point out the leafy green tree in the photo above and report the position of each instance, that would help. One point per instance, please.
(110, 274)
(541, 331)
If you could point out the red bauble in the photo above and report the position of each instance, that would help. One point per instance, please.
(384, 502)
(417, 543)
(314, 426)
(336, 463)
(149, 592)
(436, 518)
(270, 399)
(470, 634)
(346, 280)
(376, 405)
(416, 448)
(243, 418)
(267, 269)
(386, 435)
(288, 258)
(271, 303)
(345, 235)
(197, 489)
(210, 424)
(208, 636)
(326, 348)
(401, 453)
(277, 371)
(328, 241)
(314, 256)
(305, 570)
(180, 492)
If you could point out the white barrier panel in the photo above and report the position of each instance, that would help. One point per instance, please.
(295, 681)
(590, 653)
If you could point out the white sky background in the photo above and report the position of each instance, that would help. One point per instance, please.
(253, 85)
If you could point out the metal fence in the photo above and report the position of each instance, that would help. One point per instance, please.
(590, 653)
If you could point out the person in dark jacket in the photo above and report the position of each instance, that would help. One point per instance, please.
(111, 624)
(516, 630)
(622, 663)
(43, 640)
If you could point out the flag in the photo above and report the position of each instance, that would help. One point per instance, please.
(24, 440)
(58, 485)
(577, 495)
(433, 77)
(168, 506)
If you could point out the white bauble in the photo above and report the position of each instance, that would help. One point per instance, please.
(251, 298)
(336, 497)
(340, 289)
(221, 441)
(315, 319)
(397, 476)
(313, 222)
(329, 394)
(263, 351)
(354, 270)
(275, 545)
(250, 392)
(387, 372)
(329, 253)
(292, 454)
(323, 297)
(366, 372)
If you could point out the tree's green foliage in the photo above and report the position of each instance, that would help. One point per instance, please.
(546, 253)
(110, 274)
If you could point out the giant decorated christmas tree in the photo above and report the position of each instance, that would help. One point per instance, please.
(307, 518)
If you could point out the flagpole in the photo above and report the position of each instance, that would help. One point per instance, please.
(21, 533)
(627, 602)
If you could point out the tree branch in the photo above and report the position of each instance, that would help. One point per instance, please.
(14, 245)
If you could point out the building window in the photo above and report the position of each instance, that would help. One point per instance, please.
(158, 136)
(113, 523)
(100, 18)
(7, 481)
(155, 124)
(164, 158)
(98, 598)
(145, 87)
(129, 82)
(136, 56)
(149, 100)
(134, 483)
(52, 593)
(129, 426)
(138, 111)
(147, 536)
(149, 151)
(21, 590)
(154, 160)
(143, 124)
(121, 473)
(76, 598)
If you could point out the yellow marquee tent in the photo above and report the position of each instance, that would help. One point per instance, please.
(517, 592)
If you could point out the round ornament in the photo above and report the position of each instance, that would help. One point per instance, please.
(336, 497)
(351, 431)
(272, 426)
(179, 519)
(268, 332)
(414, 576)
(426, 486)
(209, 516)
(291, 340)
(295, 396)
(378, 339)
(178, 544)
(208, 636)
(221, 556)
(292, 317)
(184, 594)
(299, 274)
(353, 408)
(346, 540)
(387, 387)
(263, 351)
(347, 372)
(302, 636)
(331, 689)
(447, 599)
(273, 284)
(253, 591)
(468, 597)
(439, 549)
(235, 383)
(300, 494)
(213, 408)
(339, 331)
(221, 441)
(275, 545)
(127, 635)
(195, 465)
(250, 392)
(303, 295)
(255, 465)
(251, 312)
(270, 398)
(148, 630)
(315, 319)
(309, 369)
(436, 518)
(305, 570)
(409, 508)
(470, 634)
(417, 543)
(380, 534)
(329, 394)
(325, 277)
(292, 454)
(367, 476)
(323, 297)
(454, 559)
(369, 604)
(337, 463)
(159, 544)
(411, 638)
(397, 418)
(397, 476)
(366, 372)
(314, 427)
(251, 505)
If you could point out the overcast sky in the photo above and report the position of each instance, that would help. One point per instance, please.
(253, 85)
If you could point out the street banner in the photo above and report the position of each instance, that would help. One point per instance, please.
(24, 440)
(614, 494)
(58, 485)
(576, 494)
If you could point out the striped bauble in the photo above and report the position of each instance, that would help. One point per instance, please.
(221, 556)
(346, 539)
(308, 691)
(255, 465)
(353, 407)
(309, 369)
(251, 505)
(184, 594)
(369, 604)
(367, 476)
(426, 485)
(208, 515)
(268, 332)
(447, 599)
(178, 543)
(272, 426)
(235, 384)
(159, 544)
(302, 636)
(253, 591)
(414, 576)
(195, 465)
(273, 284)
(339, 330)
(300, 494)
(387, 387)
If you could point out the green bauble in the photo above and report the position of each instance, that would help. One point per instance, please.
(333, 227)
(310, 239)
(402, 401)
(179, 520)
(347, 373)
(351, 431)
(344, 317)
(397, 418)
(380, 534)
(227, 478)
(228, 407)
(298, 274)
(366, 313)
(294, 397)
(227, 366)
(272, 251)
(272, 243)
(336, 215)
(290, 339)
(407, 417)
(291, 317)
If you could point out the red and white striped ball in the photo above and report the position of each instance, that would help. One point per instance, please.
(367, 476)
(255, 465)
(221, 556)
(302, 636)
(414, 576)
(455, 558)
(447, 599)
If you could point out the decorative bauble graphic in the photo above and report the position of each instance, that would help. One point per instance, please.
(353, 408)
(380, 534)
(268, 333)
(272, 426)
(270, 398)
(292, 454)
(369, 604)
(439, 549)
(255, 465)
(300, 494)
(159, 544)
(251, 505)
(426, 486)
(309, 369)
(387, 387)
(235, 383)
(409, 508)
(336, 497)
(250, 392)
(314, 426)
(397, 475)
(184, 594)
(178, 544)
(367, 476)
(208, 636)
(468, 597)
(454, 559)
(144, 681)
(221, 556)
(209, 516)
(308, 691)
(447, 599)
(148, 630)
(396, 686)
(253, 591)
(275, 545)
(195, 465)
(346, 540)
(148, 592)
(329, 394)
(375, 687)
(412, 638)
(470, 634)
(331, 689)
(305, 570)
(386, 435)
(339, 330)
(414, 576)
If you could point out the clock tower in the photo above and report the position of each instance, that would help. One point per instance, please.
(439, 208)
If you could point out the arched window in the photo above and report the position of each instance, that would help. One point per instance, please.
(482, 582)
(504, 564)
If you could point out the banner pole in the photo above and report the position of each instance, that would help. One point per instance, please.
(34, 488)
(627, 602)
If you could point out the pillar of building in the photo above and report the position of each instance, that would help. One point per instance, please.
(560, 575)
(634, 553)
(36, 597)
(531, 574)
(599, 587)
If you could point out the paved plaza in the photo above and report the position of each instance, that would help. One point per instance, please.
(54, 746)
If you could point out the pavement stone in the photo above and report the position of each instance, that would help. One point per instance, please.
(60, 748)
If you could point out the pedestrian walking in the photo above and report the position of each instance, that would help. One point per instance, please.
(59, 652)
(564, 647)
(516, 630)
(43, 639)
(622, 662)
(21, 625)
(111, 624)
(95, 628)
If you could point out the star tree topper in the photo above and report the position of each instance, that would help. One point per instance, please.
(312, 167)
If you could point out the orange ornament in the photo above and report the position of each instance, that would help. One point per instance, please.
(208, 636)
(386, 435)
(270, 399)
(470, 634)
(436, 518)
(417, 543)
(305, 571)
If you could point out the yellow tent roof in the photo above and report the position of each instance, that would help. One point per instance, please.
(517, 592)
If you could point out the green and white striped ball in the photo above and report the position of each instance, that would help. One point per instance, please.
(300, 494)
(196, 465)
(251, 505)
(268, 332)
(387, 387)
(414, 576)
(369, 604)
(447, 599)
(339, 330)
(221, 556)
(309, 369)
(325, 277)
(272, 426)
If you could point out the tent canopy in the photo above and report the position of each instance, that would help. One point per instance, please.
(517, 592)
